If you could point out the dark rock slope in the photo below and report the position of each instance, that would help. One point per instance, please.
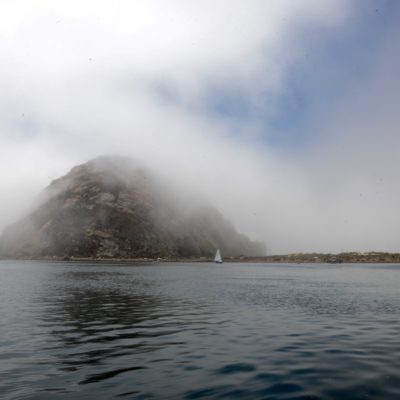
(112, 208)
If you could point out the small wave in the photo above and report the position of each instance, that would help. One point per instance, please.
(109, 374)
(235, 368)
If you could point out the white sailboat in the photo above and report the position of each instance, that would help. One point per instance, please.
(218, 258)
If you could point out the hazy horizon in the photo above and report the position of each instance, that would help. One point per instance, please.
(283, 114)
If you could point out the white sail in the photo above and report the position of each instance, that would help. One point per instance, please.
(218, 258)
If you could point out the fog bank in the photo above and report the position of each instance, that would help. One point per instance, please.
(237, 101)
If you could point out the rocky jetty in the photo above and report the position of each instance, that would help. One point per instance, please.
(111, 207)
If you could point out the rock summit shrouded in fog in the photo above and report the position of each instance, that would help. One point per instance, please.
(110, 207)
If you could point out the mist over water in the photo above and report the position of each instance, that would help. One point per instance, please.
(196, 331)
(274, 119)
(282, 114)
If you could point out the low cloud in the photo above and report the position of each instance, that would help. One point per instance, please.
(139, 80)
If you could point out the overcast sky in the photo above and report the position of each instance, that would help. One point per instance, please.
(285, 114)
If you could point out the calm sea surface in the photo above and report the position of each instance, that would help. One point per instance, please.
(199, 331)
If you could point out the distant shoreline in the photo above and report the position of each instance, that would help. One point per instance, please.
(298, 258)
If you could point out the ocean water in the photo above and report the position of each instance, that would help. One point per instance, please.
(199, 331)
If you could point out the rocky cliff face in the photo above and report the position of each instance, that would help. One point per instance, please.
(112, 208)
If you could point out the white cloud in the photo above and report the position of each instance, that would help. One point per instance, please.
(80, 79)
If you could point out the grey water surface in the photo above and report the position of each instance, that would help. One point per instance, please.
(199, 331)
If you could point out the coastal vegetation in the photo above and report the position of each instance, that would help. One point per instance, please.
(345, 257)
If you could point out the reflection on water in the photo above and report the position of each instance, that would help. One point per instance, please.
(199, 331)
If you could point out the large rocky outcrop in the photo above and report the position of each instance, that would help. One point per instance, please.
(112, 208)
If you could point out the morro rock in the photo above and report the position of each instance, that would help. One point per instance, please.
(110, 207)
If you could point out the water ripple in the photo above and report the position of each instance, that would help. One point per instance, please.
(199, 331)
